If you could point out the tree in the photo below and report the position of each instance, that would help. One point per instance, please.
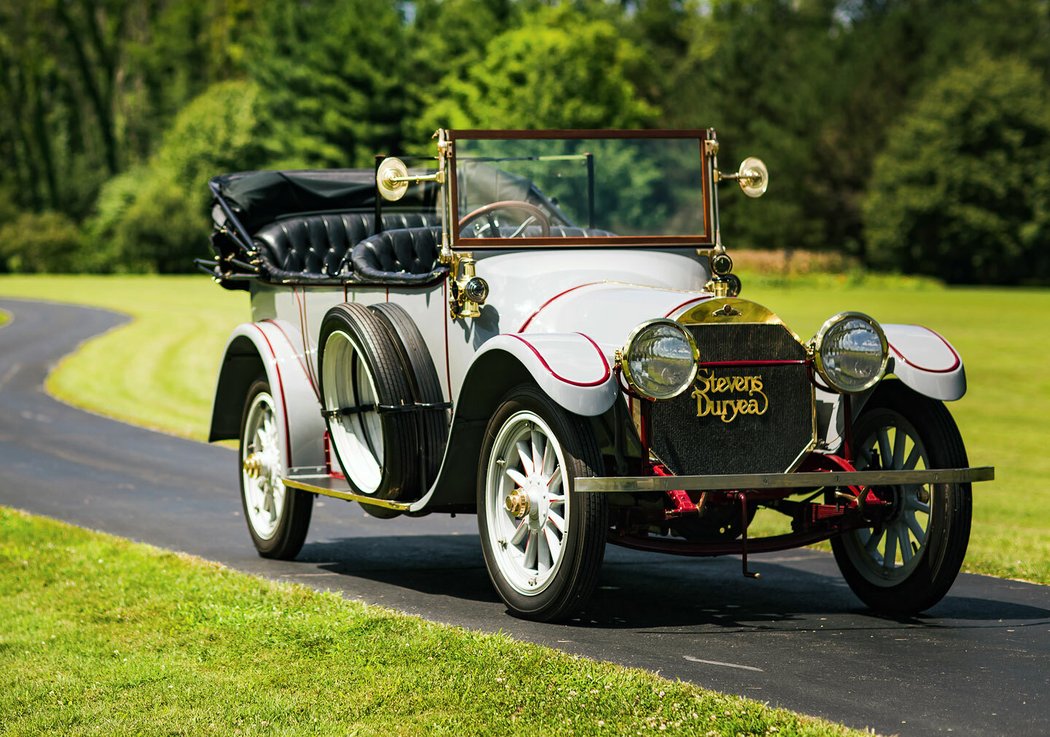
(88, 86)
(559, 69)
(173, 51)
(46, 120)
(762, 73)
(330, 76)
(447, 38)
(962, 190)
(156, 218)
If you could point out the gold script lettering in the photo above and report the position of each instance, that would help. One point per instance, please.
(728, 409)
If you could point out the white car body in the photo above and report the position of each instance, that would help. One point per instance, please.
(538, 302)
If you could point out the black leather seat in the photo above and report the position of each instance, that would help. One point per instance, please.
(314, 248)
(399, 256)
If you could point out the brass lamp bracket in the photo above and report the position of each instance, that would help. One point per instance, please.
(466, 290)
(723, 282)
(392, 178)
(752, 176)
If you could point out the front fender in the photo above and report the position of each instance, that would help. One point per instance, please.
(925, 361)
(569, 367)
(272, 349)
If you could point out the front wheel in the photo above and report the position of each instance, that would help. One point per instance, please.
(278, 517)
(907, 561)
(543, 542)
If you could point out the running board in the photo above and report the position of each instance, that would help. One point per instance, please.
(336, 488)
(807, 479)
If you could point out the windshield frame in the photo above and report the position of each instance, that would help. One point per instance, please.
(697, 240)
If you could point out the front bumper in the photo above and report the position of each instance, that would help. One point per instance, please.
(802, 480)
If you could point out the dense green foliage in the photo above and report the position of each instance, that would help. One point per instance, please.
(962, 190)
(331, 75)
(557, 69)
(92, 91)
(35, 243)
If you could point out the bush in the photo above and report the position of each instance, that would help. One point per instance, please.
(115, 199)
(166, 226)
(154, 218)
(36, 243)
(962, 190)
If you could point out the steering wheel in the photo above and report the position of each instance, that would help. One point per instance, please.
(534, 215)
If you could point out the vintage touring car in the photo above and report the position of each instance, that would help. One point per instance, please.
(543, 328)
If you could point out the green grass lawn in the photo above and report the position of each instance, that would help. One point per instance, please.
(101, 636)
(160, 372)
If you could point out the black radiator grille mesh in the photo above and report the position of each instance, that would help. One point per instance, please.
(755, 419)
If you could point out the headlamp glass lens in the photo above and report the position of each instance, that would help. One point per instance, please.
(852, 354)
(661, 360)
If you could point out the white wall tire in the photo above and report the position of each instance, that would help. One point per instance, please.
(278, 517)
(544, 555)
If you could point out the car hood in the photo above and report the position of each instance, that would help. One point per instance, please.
(601, 293)
(609, 311)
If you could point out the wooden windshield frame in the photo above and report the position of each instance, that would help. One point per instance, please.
(698, 240)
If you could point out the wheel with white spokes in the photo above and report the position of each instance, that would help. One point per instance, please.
(908, 559)
(543, 542)
(278, 517)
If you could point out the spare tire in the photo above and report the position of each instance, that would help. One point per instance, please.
(432, 415)
(368, 405)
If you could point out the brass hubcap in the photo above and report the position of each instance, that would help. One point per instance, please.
(518, 503)
(254, 465)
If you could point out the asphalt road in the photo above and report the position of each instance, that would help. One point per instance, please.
(978, 664)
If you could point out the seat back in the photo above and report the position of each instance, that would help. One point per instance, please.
(399, 256)
(315, 247)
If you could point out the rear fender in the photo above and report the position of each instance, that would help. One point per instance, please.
(272, 349)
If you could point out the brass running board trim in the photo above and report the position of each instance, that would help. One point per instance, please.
(808, 479)
(324, 488)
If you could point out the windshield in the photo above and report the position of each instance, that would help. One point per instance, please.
(618, 187)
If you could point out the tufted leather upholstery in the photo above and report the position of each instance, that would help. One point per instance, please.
(313, 248)
(401, 256)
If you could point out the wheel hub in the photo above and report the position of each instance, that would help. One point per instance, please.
(532, 500)
(518, 503)
(253, 465)
(259, 465)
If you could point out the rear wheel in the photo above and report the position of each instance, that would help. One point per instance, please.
(906, 562)
(543, 542)
(278, 517)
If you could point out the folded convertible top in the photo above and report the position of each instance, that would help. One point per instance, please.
(261, 197)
